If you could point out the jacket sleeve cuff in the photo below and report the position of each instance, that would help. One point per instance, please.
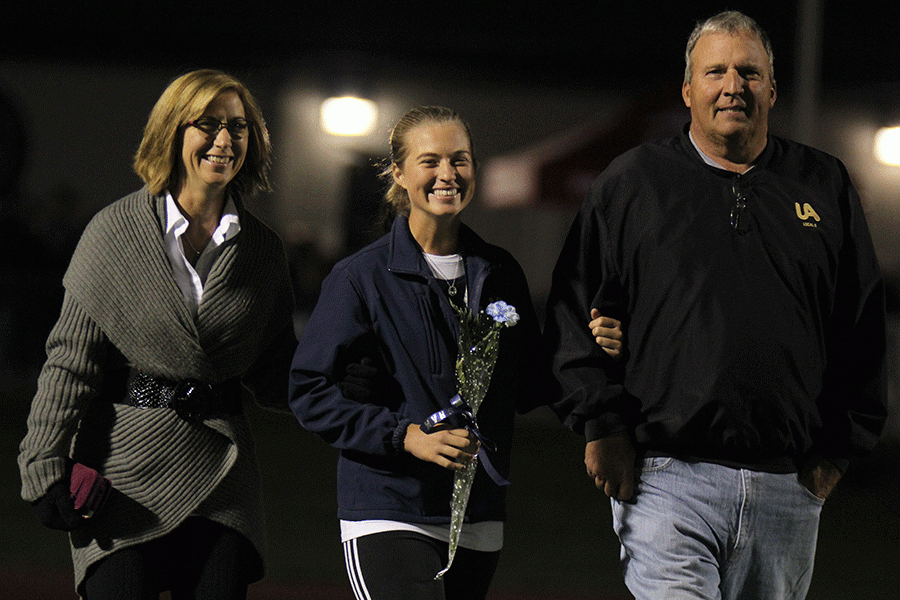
(399, 436)
(840, 462)
(595, 429)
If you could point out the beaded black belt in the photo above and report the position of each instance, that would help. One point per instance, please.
(192, 399)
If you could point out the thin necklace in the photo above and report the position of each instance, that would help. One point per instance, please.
(451, 290)
(188, 240)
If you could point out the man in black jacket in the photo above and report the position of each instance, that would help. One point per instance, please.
(744, 274)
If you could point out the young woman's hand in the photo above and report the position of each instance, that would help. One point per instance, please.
(450, 448)
(608, 333)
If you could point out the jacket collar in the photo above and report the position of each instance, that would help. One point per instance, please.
(405, 255)
(761, 161)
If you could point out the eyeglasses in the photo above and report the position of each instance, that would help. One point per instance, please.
(212, 126)
(740, 214)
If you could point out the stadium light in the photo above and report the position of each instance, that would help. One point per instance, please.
(887, 146)
(348, 115)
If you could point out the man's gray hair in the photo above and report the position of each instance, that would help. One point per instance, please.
(731, 22)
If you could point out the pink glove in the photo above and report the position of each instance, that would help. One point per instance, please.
(88, 489)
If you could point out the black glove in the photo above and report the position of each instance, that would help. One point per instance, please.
(363, 381)
(367, 382)
(56, 509)
(79, 495)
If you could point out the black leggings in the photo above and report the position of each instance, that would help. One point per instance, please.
(401, 565)
(199, 560)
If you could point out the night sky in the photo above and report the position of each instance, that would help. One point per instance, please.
(548, 42)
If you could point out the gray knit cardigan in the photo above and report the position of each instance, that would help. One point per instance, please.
(122, 307)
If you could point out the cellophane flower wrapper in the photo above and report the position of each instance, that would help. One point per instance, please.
(479, 342)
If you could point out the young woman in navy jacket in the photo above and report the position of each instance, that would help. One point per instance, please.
(392, 302)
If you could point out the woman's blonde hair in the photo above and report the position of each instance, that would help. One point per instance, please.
(186, 98)
(396, 198)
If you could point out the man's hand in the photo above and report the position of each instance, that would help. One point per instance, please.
(819, 476)
(450, 448)
(610, 463)
(607, 333)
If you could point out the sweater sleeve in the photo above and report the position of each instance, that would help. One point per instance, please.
(338, 323)
(71, 376)
(589, 395)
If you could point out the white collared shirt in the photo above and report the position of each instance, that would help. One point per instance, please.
(190, 278)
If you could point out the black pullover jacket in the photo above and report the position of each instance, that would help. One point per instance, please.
(749, 347)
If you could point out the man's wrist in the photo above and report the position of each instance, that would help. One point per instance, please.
(596, 429)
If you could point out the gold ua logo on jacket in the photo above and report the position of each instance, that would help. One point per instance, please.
(806, 213)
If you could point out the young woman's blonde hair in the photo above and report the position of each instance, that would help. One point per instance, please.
(396, 198)
(158, 158)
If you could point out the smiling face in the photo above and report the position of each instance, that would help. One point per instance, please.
(438, 172)
(210, 161)
(730, 94)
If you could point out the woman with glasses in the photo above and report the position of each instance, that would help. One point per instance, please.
(176, 298)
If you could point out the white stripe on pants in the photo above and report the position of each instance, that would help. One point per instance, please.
(354, 572)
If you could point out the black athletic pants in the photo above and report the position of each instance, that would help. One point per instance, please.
(401, 565)
(200, 560)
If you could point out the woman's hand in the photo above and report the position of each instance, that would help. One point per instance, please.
(56, 509)
(608, 333)
(450, 448)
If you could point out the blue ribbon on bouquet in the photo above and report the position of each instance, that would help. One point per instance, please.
(459, 407)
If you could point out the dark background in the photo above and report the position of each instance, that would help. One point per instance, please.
(601, 43)
(559, 543)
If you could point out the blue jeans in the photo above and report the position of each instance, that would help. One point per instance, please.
(704, 531)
